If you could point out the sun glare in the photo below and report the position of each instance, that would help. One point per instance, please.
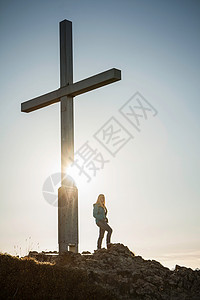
(74, 173)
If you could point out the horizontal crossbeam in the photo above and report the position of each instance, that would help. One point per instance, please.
(73, 90)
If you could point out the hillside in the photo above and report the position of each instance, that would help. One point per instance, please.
(114, 273)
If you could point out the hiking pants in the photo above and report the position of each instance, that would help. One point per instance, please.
(103, 226)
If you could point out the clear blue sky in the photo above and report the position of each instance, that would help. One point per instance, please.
(152, 184)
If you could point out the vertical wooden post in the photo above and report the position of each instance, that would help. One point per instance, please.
(67, 193)
(66, 78)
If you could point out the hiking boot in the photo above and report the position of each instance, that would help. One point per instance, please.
(97, 250)
(109, 245)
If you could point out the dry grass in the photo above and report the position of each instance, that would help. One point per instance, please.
(26, 278)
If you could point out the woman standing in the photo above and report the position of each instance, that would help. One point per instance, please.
(99, 213)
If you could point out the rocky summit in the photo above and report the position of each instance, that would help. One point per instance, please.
(114, 273)
(127, 276)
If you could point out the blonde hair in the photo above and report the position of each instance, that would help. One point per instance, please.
(101, 200)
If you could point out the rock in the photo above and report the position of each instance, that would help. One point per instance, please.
(131, 277)
(86, 253)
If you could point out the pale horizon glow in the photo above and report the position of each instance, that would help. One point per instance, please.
(152, 183)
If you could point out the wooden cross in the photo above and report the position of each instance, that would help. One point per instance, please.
(68, 196)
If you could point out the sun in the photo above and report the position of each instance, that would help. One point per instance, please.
(74, 173)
